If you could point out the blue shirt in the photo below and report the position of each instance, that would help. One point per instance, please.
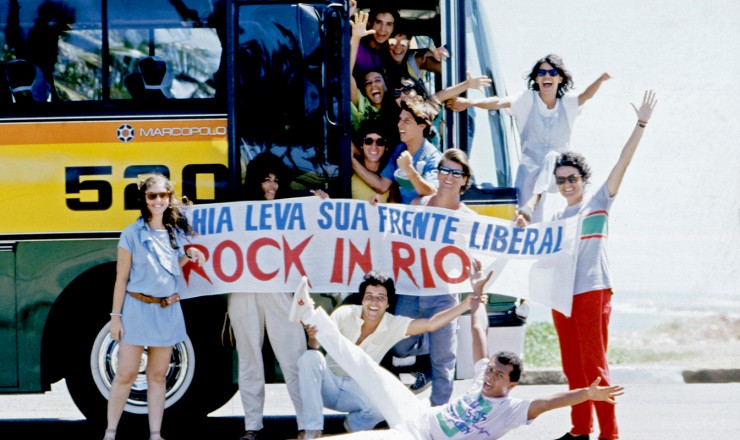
(155, 266)
(425, 162)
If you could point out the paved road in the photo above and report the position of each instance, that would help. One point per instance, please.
(659, 409)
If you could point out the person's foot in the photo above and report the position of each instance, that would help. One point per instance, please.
(569, 436)
(420, 384)
(302, 306)
(249, 435)
(309, 434)
(110, 434)
(345, 424)
(154, 435)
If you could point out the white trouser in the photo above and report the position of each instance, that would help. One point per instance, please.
(320, 388)
(250, 315)
(391, 397)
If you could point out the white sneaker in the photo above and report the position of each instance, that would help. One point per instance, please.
(404, 361)
(309, 434)
(302, 306)
(522, 310)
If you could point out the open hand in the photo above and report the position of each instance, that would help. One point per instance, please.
(604, 394)
(359, 25)
(647, 106)
(477, 278)
(478, 82)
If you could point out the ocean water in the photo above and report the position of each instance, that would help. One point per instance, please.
(675, 225)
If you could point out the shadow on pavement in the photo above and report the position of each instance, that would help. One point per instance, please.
(212, 428)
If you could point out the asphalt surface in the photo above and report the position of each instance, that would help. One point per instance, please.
(658, 404)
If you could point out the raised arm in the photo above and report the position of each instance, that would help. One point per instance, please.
(592, 89)
(359, 30)
(478, 313)
(574, 397)
(643, 116)
(477, 82)
(459, 104)
(440, 319)
(421, 185)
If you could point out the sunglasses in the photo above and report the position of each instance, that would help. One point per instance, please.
(369, 141)
(573, 178)
(551, 72)
(394, 41)
(155, 196)
(457, 174)
(406, 90)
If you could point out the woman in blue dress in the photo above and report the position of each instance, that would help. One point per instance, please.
(146, 307)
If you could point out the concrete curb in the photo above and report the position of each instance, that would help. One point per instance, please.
(712, 376)
(652, 375)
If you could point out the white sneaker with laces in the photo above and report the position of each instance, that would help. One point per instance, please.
(302, 306)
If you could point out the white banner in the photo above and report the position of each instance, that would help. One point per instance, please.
(267, 246)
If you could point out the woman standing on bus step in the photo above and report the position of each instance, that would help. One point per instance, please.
(146, 307)
(253, 313)
(545, 116)
(584, 336)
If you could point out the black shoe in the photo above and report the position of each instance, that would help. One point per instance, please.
(421, 383)
(249, 435)
(569, 436)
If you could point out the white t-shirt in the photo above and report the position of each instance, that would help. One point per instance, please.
(592, 268)
(472, 415)
(391, 329)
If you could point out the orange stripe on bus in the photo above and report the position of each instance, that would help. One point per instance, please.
(123, 132)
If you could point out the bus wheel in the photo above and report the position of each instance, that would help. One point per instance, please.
(199, 380)
(104, 362)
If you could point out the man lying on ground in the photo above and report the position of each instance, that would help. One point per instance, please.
(485, 412)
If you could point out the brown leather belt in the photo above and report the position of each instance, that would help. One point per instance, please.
(163, 302)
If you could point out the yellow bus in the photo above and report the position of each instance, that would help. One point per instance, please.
(94, 93)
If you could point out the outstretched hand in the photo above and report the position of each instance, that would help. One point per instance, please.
(604, 394)
(478, 82)
(458, 103)
(359, 25)
(646, 109)
(477, 278)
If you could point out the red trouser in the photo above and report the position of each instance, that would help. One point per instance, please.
(583, 342)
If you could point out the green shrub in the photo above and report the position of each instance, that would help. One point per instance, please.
(541, 347)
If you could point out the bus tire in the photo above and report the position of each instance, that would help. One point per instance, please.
(199, 381)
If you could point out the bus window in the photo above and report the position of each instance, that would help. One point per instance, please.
(281, 69)
(65, 40)
(192, 57)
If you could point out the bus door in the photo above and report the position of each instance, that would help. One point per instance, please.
(487, 136)
(491, 143)
(291, 77)
(8, 332)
